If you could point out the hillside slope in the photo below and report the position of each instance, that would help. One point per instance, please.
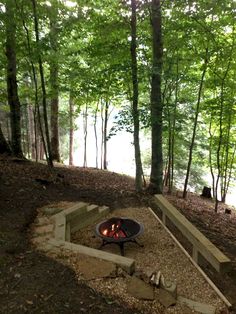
(33, 283)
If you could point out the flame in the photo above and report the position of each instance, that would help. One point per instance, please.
(105, 232)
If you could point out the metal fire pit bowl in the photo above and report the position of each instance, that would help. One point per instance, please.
(129, 227)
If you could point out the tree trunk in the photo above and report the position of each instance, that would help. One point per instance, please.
(218, 153)
(102, 131)
(71, 139)
(85, 134)
(36, 111)
(48, 153)
(4, 147)
(54, 70)
(12, 92)
(105, 135)
(155, 185)
(135, 111)
(31, 131)
(95, 133)
(173, 128)
(195, 124)
(210, 158)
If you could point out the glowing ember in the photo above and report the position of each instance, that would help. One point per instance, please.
(114, 231)
(105, 232)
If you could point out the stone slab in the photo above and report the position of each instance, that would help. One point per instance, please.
(140, 289)
(165, 298)
(197, 306)
(93, 268)
(169, 286)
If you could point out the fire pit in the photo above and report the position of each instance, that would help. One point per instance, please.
(119, 230)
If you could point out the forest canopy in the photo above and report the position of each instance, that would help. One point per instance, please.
(167, 67)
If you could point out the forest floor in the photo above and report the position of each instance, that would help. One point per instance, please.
(30, 282)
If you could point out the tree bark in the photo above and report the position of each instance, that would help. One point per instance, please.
(12, 90)
(31, 131)
(155, 185)
(220, 142)
(135, 111)
(105, 135)
(4, 147)
(95, 133)
(54, 70)
(71, 139)
(44, 96)
(85, 118)
(195, 124)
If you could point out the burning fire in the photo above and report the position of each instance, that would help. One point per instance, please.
(114, 231)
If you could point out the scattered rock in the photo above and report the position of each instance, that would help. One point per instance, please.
(121, 272)
(165, 298)
(197, 306)
(169, 286)
(140, 289)
(147, 275)
(93, 268)
(155, 278)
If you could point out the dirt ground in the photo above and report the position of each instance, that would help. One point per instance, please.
(33, 283)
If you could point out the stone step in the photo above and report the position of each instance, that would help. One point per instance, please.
(104, 210)
(60, 227)
(75, 210)
(85, 220)
(92, 208)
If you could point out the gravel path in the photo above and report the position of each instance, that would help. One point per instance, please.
(160, 252)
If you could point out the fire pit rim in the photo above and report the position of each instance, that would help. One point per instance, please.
(119, 240)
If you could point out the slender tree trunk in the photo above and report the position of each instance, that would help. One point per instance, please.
(105, 135)
(173, 128)
(95, 133)
(102, 131)
(4, 147)
(12, 92)
(27, 133)
(219, 163)
(85, 133)
(195, 124)
(226, 161)
(210, 159)
(167, 176)
(135, 111)
(48, 153)
(31, 131)
(8, 128)
(54, 70)
(41, 151)
(71, 139)
(36, 112)
(155, 185)
(230, 171)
